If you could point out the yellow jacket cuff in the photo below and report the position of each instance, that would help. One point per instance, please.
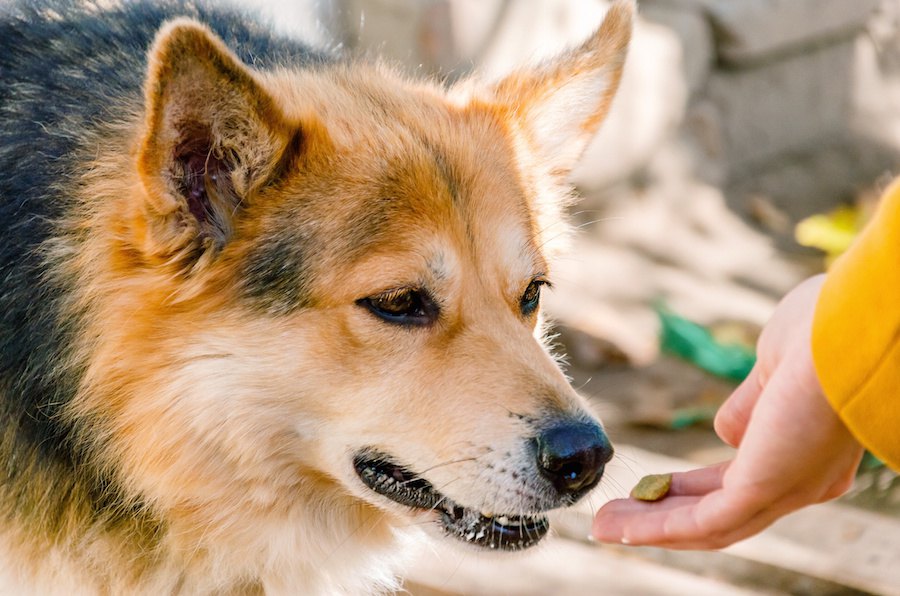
(856, 334)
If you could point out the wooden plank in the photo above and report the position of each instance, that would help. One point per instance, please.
(832, 542)
(560, 567)
(750, 574)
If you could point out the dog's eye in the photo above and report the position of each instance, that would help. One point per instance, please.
(531, 299)
(404, 306)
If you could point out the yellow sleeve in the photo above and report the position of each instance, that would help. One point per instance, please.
(856, 334)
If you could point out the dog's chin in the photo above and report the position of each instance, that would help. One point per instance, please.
(506, 532)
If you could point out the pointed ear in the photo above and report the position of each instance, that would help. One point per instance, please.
(560, 104)
(213, 135)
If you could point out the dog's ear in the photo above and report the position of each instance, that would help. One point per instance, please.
(213, 136)
(559, 105)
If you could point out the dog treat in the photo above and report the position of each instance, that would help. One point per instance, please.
(652, 488)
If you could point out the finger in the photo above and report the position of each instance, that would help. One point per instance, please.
(734, 415)
(715, 541)
(612, 520)
(698, 482)
(725, 535)
(681, 522)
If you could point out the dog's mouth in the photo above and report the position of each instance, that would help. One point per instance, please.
(499, 532)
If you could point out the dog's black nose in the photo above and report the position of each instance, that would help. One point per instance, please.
(572, 455)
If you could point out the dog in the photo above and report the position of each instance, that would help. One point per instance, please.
(271, 315)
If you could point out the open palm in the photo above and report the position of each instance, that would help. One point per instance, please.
(793, 450)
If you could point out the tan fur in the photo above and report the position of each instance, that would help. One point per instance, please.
(235, 425)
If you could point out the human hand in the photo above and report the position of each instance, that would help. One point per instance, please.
(792, 450)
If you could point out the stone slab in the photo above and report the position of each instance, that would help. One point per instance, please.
(753, 31)
(785, 105)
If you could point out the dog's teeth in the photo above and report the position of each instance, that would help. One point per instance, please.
(487, 514)
(503, 520)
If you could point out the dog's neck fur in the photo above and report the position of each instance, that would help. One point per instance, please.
(320, 542)
(108, 536)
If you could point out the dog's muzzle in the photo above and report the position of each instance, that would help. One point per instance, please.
(500, 532)
(569, 459)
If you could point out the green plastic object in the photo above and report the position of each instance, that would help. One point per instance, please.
(696, 344)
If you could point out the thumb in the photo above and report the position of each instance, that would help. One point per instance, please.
(734, 415)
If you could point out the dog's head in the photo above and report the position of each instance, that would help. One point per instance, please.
(327, 282)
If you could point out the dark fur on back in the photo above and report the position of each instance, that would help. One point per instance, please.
(67, 72)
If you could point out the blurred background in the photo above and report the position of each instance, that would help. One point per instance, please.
(748, 145)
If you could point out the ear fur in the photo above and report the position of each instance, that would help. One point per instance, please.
(560, 104)
(213, 135)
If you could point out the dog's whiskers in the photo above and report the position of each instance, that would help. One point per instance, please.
(575, 228)
(449, 463)
(441, 491)
(585, 384)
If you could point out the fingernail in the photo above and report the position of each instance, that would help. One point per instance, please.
(590, 538)
(625, 540)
